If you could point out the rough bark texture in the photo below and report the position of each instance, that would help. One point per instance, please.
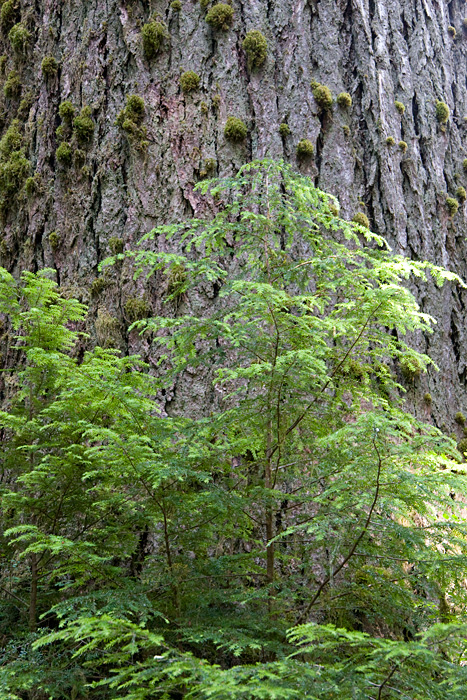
(115, 186)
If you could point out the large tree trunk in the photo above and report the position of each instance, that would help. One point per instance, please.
(379, 52)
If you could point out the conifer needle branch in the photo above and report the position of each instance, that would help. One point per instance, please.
(355, 544)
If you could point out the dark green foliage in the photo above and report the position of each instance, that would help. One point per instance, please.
(462, 447)
(66, 111)
(19, 37)
(411, 367)
(452, 205)
(400, 106)
(64, 153)
(256, 48)
(49, 67)
(390, 141)
(442, 112)
(220, 16)
(461, 194)
(361, 219)
(344, 100)
(284, 129)
(235, 130)
(323, 96)
(116, 245)
(136, 309)
(305, 149)
(8, 14)
(153, 34)
(189, 81)
(83, 126)
(403, 146)
(12, 87)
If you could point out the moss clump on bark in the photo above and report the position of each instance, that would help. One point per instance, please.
(399, 106)
(235, 129)
(452, 31)
(130, 119)
(66, 111)
(442, 112)
(344, 100)
(14, 166)
(428, 399)
(153, 34)
(323, 96)
(452, 205)
(390, 141)
(12, 87)
(64, 153)
(136, 309)
(54, 240)
(459, 418)
(19, 37)
(284, 129)
(176, 5)
(360, 218)
(220, 16)
(116, 245)
(305, 149)
(256, 48)
(83, 125)
(461, 194)
(49, 66)
(8, 14)
(33, 185)
(189, 81)
(403, 146)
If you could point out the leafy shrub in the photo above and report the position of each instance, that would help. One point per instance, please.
(256, 48)
(220, 16)
(235, 129)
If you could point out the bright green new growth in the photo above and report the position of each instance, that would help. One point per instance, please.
(344, 100)
(305, 149)
(235, 130)
(64, 153)
(171, 556)
(19, 37)
(153, 34)
(284, 129)
(83, 126)
(256, 48)
(12, 86)
(461, 194)
(323, 96)
(220, 16)
(400, 106)
(189, 81)
(49, 67)
(452, 205)
(442, 112)
(361, 219)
